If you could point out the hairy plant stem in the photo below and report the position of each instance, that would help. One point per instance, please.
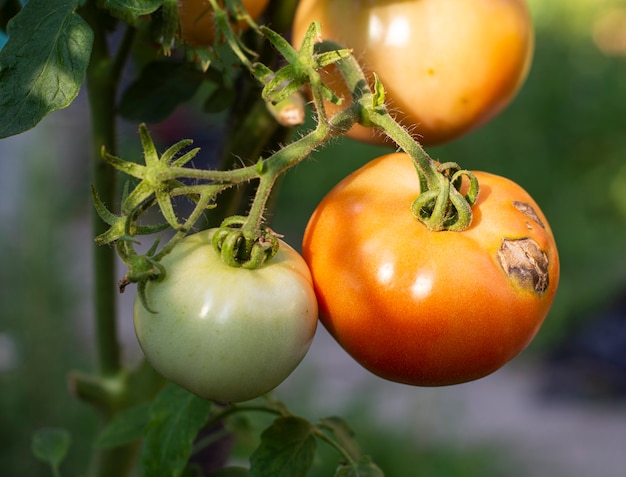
(373, 115)
(267, 171)
(423, 163)
(253, 129)
(371, 111)
(282, 160)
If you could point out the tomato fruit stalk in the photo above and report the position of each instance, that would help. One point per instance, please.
(448, 66)
(422, 307)
(224, 333)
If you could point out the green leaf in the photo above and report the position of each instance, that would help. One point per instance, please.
(219, 100)
(287, 449)
(176, 417)
(130, 10)
(128, 426)
(363, 468)
(43, 63)
(344, 435)
(161, 87)
(231, 472)
(51, 445)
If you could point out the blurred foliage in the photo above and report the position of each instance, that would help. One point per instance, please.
(563, 139)
(40, 308)
(399, 450)
(400, 453)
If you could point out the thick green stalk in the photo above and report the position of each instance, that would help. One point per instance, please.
(102, 80)
(407, 143)
(378, 115)
(101, 90)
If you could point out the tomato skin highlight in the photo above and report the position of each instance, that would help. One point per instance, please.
(416, 306)
(227, 334)
(448, 66)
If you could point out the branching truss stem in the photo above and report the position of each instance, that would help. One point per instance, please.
(162, 178)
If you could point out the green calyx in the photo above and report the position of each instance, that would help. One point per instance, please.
(155, 184)
(444, 207)
(302, 66)
(240, 249)
(440, 205)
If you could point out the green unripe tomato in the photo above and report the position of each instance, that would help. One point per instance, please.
(223, 333)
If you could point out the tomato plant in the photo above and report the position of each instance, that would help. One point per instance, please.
(197, 21)
(422, 307)
(436, 290)
(448, 66)
(225, 333)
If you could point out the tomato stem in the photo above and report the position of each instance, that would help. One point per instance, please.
(371, 114)
(440, 205)
(102, 91)
(333, 443)
(207, 194)
(236, 408)
(102, 78)
(268, 171)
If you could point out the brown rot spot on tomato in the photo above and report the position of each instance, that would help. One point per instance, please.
(523, 261)
(529, 212)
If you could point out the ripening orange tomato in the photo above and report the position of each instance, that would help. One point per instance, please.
(448, 66)
(422, 307)
(196, 19)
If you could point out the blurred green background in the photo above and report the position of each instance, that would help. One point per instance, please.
(563, 139)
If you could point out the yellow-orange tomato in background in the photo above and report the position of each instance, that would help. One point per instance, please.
(448, 66)
(429, 308)
(196, 19)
